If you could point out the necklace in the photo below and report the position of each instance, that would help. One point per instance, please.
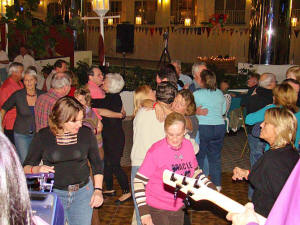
(31, 95)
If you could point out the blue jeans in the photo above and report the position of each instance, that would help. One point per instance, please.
(76, 204)
(257, 147)
(205, 167)
(22, 142)
(211, 143)
(134, 170)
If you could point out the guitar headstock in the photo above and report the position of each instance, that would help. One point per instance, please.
(196, 189)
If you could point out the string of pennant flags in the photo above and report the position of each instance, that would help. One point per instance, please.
(184, 30)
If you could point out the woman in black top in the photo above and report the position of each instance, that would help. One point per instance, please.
(66, 147)
(113, 136)
(24, 101)
(271, 171)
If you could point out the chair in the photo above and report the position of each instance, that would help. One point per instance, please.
(228, 103)
(245, 130)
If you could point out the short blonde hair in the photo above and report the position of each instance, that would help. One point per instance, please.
(64, 110)
(116, 82)
(173, 118)
(294, 70)
(140, 94)
(285, 124)
(285, 95)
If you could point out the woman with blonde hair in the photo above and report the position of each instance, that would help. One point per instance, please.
(270, 172)
(293, 73)
(66, 148)
(284, 96)
(141, 94)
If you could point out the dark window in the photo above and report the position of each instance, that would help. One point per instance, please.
(147, 10)
(181, 9)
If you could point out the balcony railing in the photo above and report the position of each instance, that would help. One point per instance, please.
(234, 16)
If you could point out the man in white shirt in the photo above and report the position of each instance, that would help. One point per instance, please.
(187, 81)
(24, 58)
(4, 62)
(60, 66)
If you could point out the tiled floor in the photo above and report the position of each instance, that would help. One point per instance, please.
(202, 212)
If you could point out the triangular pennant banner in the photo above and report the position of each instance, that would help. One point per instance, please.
(199, 31)
(172, 28)
(187, 30)
(151, 31)
(246, 30)
(146, 30)
(203, 30)
(208, 29)
(296, 33)
(160, 30)
(156, 29)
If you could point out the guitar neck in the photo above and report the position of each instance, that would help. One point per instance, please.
(228, 204)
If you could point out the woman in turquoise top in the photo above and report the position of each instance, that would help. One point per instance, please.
(284, 96)
(211, 125)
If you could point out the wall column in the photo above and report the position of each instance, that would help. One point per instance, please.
(204, 9)
(127, 11)
(163, 14)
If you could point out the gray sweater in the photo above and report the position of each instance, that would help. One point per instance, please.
(24, 123)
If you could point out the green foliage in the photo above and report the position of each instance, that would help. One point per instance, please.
(136, 76)
(80, 71)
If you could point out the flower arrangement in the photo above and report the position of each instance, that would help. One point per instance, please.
(216, 20)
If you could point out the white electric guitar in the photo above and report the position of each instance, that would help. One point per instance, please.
(197, 189)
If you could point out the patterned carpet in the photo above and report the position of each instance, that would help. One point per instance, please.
(202, 212)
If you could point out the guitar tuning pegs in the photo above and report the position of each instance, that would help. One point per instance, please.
(176, 191)
(187, 198)
(187, 201)
(196, 185)
(184, 181)
(173, 177)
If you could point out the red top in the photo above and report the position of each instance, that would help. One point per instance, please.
(6, 90)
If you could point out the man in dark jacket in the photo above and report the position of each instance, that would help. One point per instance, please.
(252, 84)
(260, 97)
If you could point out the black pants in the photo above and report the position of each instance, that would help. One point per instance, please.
(10, 135)
(113, 166)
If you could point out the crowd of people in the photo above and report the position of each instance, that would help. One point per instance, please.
(77, 134)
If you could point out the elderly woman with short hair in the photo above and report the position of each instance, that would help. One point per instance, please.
(113, 136)
(24, 101)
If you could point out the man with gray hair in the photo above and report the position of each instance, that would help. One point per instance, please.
(262, 96)
(186, 80)
(11, 85)
(60, 87)
(196, 71)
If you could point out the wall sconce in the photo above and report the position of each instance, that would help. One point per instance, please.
(294, 21)
(138, 20)
(41, 3)
(187, 22)
(110, 22)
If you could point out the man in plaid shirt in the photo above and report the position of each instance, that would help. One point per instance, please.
(60, 87)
